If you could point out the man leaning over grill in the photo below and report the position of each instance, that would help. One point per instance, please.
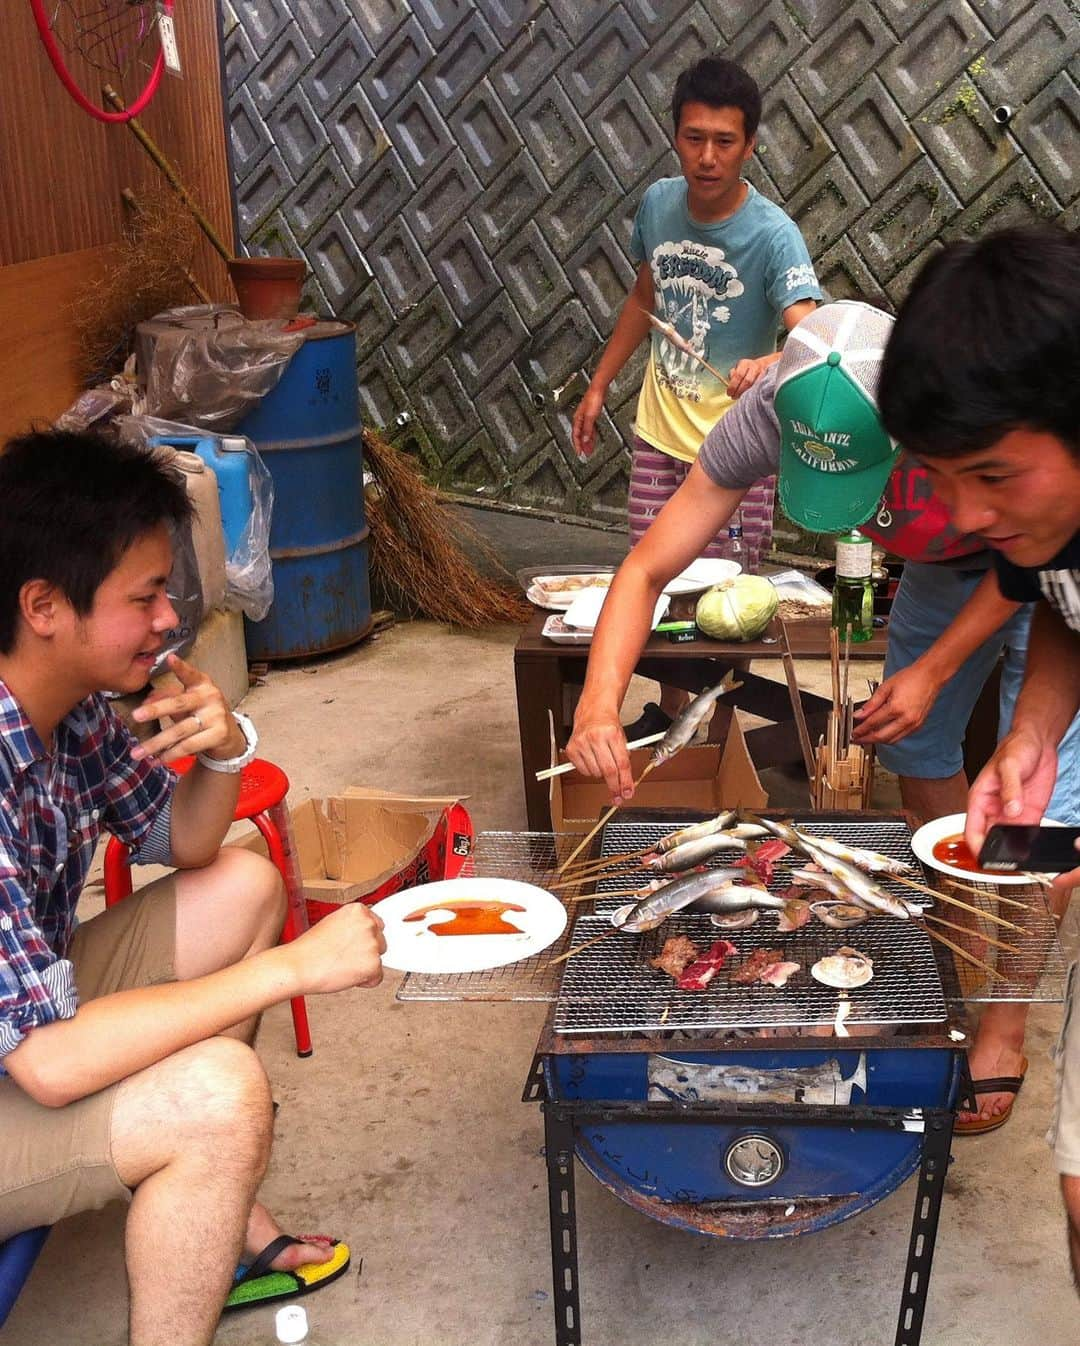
(982, 382)
(127, 1067)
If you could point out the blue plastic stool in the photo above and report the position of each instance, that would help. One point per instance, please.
(17, 1258)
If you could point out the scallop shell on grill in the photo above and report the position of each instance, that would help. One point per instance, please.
(736, 920)
(844, 969)
(839, 915)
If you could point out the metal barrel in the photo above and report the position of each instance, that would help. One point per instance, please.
(749, 1180)
(308, 431)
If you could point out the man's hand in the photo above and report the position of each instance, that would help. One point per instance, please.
(1013, 787)
(342, 951)
(199, 715)
(747, 372)
(598, 749)
(584, 429)
(898, 707)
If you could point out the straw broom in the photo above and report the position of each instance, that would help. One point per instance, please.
(416, 558)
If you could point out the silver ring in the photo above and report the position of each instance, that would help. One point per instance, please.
(198, 719)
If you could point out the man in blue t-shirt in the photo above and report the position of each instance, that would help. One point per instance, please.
(721, 267)
(980, 382)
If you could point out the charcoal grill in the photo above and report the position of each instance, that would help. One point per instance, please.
(680, 1105)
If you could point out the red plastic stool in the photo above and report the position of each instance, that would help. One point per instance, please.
(263, 787)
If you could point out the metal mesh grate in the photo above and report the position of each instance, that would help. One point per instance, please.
(612, 988)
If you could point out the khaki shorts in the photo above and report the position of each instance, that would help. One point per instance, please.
(56, 1162)
(1064, 1133)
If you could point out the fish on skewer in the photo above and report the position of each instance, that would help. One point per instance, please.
(694, 831)
(855, 893)
(712, 889)
(872, 861)
(670, 334)
(682, 730)
(692, 853)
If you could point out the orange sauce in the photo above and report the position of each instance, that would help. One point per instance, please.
(471, 918)
(954, 851)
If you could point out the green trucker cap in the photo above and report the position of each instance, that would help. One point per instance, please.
(835, 454)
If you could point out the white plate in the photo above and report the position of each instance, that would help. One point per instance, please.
(702, 574)
(558, 601)
(412, 946)
(584, 612)
(928, 836)
(555, 629)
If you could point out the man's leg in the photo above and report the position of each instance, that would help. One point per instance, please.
(192, 1136)
(927, 798)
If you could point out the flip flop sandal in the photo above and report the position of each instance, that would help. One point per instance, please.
(257, 1284)
(1000, 1084)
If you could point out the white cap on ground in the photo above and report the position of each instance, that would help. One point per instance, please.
(291, 1323)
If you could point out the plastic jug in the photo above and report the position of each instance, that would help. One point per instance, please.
(228, 458)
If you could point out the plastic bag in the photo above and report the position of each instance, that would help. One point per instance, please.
(208, 366)
(246, 492)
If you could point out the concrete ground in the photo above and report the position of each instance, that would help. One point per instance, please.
(404, 1134)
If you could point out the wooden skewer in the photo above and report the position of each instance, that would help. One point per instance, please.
(964, 930)
(588, 943)
(968, 957)
(614, 808)
(591, 878)
(981, 892)
(602, 897)
(948, 897)
(605, 861)
(566, 767)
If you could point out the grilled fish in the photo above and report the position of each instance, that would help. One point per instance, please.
(690, 717)
(654, 909)
(696, 831)
(695, 852)
(872, 861)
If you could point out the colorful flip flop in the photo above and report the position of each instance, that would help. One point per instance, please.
(256, 1284)
(1000, 1084)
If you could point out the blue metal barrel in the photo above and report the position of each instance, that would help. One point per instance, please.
(688, 1175)
(308, 432)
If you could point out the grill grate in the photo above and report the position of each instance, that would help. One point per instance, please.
(533, 857)
(612, 988)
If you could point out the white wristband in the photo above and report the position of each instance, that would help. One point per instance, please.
(229, 766)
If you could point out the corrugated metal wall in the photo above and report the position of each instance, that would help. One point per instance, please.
(462, 176)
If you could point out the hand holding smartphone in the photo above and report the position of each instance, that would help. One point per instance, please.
(1010, 847)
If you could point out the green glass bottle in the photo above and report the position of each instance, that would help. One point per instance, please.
(853, 592)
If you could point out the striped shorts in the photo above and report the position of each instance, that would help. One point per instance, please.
(656, 476)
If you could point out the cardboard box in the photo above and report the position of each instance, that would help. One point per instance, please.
(710, 777)
(365, 844)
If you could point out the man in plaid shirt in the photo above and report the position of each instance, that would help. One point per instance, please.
(127, 1070)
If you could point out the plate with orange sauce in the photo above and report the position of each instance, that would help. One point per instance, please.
(468, 925)
(940, 844)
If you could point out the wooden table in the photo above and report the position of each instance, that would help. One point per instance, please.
(548, 674)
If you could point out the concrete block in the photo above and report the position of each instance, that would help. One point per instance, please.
(316, 195)
(792, 143)
(469, 52)
(595, 65)
(445, 199)
(873, 136)
(418, 133)
(262, 191)
(421, 336)
(378, 19)
(464, 272)
(296, 131)
(486, 135)
(529, 60)
(827, 205)
(264, 21)
(694, 36)
(512, 199)
(933, 54)
(247, 133)
(770, 44)
(1017, 198)
(381, 193)
(441, 18)
(239, 58)
(626, 133)
(532, 275)
(602, 278)
(338, 263)
(515, 424)
(1032, 49)
(958, 132)
(555, 134)
(590, 193)
(842, 55)
(398, 65)
(448, 413)
(1049, 127)
(338, 69)
(382, 398)
(279, 69)
(655, 17)
(495, 337)
(843, 274)
(319, 20)
(400, 265)
(559, 348)
(901, 223)
(355, 132)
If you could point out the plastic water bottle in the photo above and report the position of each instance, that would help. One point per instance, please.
(736, 548)
(853, 591)
(291, 1324)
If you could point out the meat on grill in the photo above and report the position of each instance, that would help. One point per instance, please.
(698, 975)
(762, 860)
(758, 962)
(777, 974)
(676, 955)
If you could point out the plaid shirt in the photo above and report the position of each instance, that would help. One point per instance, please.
(53, 808)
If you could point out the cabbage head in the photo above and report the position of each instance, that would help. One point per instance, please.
(737, 609)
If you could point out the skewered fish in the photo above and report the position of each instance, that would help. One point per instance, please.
(654, 909)
(693, 852)
(695, 831)
(686, 723)
(872, 861)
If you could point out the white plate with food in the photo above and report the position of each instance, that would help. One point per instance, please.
(702, 574)
(468, 925)
(939, 844)
(557, 592)
(556, 629)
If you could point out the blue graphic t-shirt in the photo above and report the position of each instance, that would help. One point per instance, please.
(722, 287)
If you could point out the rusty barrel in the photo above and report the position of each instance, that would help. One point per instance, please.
(308, 431)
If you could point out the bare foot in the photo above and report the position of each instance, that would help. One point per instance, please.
(987, 1060)
(262, 1229)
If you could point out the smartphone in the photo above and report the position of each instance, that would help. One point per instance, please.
(1028, 846)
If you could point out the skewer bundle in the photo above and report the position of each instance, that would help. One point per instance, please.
(843, 770)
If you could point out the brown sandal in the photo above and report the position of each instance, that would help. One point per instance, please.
(1000, 1084)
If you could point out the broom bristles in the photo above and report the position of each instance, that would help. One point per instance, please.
(416, 558)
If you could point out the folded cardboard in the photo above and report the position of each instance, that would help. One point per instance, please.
(366, 842)
(709, 776)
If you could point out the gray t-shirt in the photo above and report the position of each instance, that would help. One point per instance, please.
(744, 446)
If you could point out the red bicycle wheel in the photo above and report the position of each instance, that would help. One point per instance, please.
(116, 41)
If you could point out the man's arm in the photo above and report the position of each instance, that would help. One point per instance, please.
(630, 330)
(903, 701)
(747, 372)
(680, 533)
(1016, 784)
(112, 1037)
